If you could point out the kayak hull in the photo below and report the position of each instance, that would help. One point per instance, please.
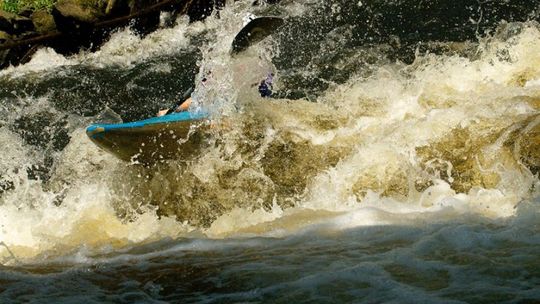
(177, 135)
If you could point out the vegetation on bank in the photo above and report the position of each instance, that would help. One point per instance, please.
(17, 6)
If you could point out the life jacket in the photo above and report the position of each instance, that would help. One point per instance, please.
(265, 89)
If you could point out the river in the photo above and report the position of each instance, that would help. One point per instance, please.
(399, 163)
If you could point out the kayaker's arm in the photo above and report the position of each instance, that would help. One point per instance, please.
(182, 104)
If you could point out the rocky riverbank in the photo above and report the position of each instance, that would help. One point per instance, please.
(73, 24)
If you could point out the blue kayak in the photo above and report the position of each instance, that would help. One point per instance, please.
(152, 139)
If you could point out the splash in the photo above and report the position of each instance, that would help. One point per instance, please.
(445, 137)
(124, 49)
(75, 210)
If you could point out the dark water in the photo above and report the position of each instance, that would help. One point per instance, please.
(400, 163)
(489, 262)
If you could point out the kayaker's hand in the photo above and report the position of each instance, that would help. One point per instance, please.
(184, 106)
(162, 112)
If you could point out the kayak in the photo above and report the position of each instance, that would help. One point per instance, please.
(175, 135)
(170, 136)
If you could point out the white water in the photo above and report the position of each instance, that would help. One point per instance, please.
(403, 140)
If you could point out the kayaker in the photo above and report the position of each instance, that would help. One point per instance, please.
(265, 90)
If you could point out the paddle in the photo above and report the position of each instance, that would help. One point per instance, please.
(256, 30)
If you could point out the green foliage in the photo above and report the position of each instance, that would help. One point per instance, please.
(16, 6)
(11, 6)
(40, 4)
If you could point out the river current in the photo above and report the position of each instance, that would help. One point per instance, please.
(398, 164)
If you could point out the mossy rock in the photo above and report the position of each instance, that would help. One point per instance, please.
(22, 25)
(136, 5)
(4, 37)
(14, 24)
(85, 11)
(43, 21)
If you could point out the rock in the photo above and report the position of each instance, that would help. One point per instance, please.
(14, 24)
(5, 21)
(3, 61)
(79, 16)
(116, 7)
(4, 54)
(80, 11)
(72, 17)
(137, 5)
(27, 12)
(22, 24)
(4, 37)
(43, 21)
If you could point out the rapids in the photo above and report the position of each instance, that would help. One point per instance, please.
(399, 164)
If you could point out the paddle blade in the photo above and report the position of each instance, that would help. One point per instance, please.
(255, 31)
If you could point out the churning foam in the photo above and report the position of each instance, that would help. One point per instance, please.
(124, 49)
(409, 145)
(75, 209)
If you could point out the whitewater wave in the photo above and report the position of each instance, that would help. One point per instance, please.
(445, 138)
